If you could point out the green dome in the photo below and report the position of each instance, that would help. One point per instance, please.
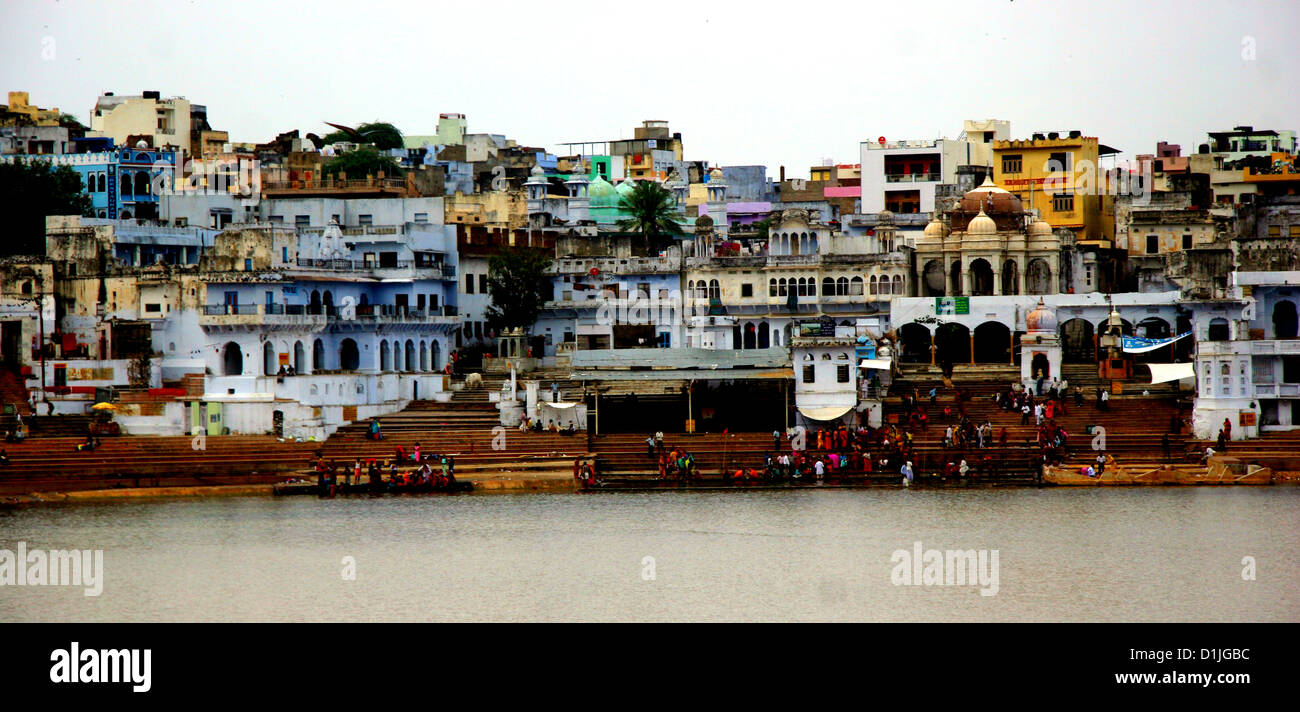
(626, 187)
(601, 194)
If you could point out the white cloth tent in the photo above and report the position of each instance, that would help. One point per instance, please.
(1162, 372)
(828, 413)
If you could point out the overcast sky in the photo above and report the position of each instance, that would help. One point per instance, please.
(745, 82)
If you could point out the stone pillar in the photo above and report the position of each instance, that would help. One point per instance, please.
(972, 347)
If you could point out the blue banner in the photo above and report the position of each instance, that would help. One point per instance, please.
(1137, 344)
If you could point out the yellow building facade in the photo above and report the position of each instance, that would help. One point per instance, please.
(1061, 179)
(20, 103)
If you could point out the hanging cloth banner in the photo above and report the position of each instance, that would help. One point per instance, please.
(1138, 345)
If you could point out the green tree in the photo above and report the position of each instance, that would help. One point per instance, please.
(383, 135)
(518, 284)
(652, 210)
(335, 137)
(34, 190)
(70, 122)
(380, 134)
(361, 163)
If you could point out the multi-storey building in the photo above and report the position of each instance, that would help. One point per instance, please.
(748, 294)
(1059, 176)
(123, 183)
(902, 176)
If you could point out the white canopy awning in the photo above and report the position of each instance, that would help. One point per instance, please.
(877, 363)
(1162, 372)
(560, 404)
(830, 413)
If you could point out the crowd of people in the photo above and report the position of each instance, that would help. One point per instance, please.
(551, 425)
(434, 471)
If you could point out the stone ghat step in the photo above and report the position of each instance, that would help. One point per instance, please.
(152, 455)
(649, 481)
(157, 467)
(419, 405)
(107, 482)
(58, 426)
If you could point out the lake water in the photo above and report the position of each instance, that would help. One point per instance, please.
(1142, 554)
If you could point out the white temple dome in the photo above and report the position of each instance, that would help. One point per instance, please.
(981, 224)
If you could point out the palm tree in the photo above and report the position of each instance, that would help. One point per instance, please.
(653, 212)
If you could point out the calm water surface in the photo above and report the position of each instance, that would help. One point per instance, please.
(1166, 554)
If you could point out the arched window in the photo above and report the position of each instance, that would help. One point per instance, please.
(803, 287)
(349, 357)
(872, 283)
(764, 335)
(1219, 330)
(828, 287)
(771, 287)
(781, 287)
(843, 356)
(299, 358)
(855, 287)
(715, 290)
(269, 365)
(142, 183)
(317, 355)
(125, 184)
(385, 357)
(842, 287)
(103, 183)
(424, 356)
(812, 286)
(899, 284)
(232, 360)
(690, 287)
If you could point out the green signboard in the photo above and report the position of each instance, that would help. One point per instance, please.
(951, 305)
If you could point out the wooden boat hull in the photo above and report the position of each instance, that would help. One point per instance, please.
(1176, 475)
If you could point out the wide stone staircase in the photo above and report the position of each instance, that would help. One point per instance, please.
(54, 464)
(467, 428)
(1135, 425)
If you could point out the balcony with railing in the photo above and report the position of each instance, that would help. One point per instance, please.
(435, 270)
(256, 315)
(912, 178)
(396, 186)
(394, 314)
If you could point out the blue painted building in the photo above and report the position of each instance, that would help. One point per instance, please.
(123, 183)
